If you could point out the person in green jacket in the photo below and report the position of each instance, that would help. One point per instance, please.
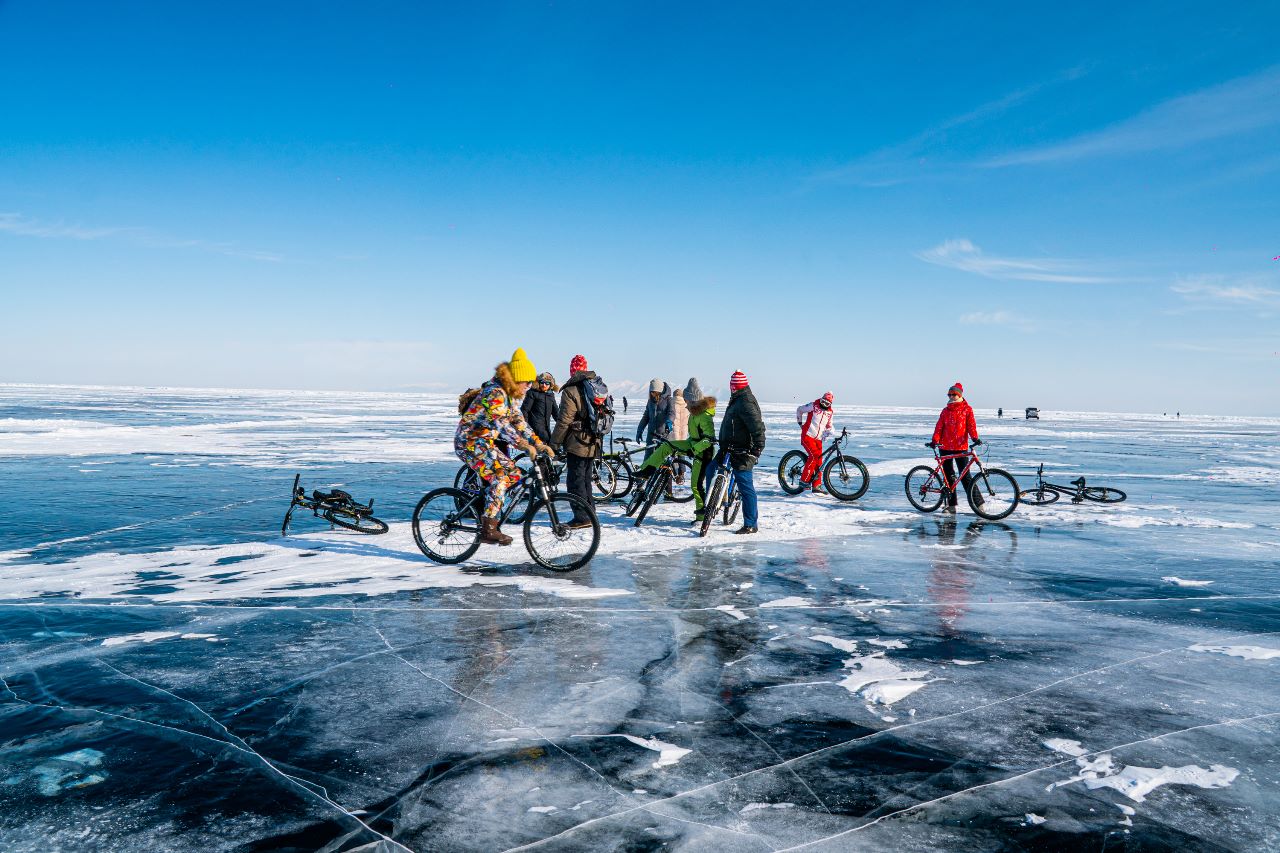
(702, 412)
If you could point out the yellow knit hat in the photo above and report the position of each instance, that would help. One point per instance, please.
(522, 369)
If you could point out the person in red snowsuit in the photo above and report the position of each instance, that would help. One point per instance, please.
(955, 428)
(815, 421)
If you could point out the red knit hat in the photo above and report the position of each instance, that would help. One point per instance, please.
(578, 362)
(829, 397)
(958, 388)
(737, 381)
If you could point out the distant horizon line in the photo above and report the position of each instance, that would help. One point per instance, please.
(1017, 412)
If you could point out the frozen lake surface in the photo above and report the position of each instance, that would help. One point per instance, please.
(178, 677)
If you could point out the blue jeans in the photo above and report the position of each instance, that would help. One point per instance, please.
(747, 488)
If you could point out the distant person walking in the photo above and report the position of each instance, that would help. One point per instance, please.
(1000, 413)
(624, 405)
(742, 438)
(573, 433)
(956, 426)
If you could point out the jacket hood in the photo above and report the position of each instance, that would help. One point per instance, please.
(580, 377)
(502, 373)
(702, 405)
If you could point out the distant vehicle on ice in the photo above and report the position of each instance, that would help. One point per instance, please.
(1033, 414)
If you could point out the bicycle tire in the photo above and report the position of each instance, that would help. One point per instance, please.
(731, 508)
(539, 525)
(284, 528)
(924, 487)
(683, 493)
(443, 513)
(790, 470)
(460, 478)
(621, 477)
(998, 492)
(712, 506)
(604, 480)
(854, 474)
(1039, 496)
(1104, 495)
(655, 489)
(355, 521)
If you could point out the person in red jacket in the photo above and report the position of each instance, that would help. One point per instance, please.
(955, 428)
(815, 427)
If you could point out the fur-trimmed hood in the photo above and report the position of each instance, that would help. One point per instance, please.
(502, 373)
(702, 405)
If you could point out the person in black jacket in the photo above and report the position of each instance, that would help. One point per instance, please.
(742, 437)
(539, 406)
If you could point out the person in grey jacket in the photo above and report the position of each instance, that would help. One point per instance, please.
(659, 414)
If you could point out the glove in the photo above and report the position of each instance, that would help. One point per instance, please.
(527, 448)
(701, 447)
(932, 445)
(669, 426)
(977, 441)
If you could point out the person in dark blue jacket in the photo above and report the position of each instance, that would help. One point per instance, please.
(742, 437)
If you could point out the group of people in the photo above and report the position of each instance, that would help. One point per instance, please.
(517, 408)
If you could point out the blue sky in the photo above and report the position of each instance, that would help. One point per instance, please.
(1074, 208)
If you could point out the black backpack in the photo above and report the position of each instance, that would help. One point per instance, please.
(597, 409)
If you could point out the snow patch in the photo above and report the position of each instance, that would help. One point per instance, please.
(1246, 652)
(1174, 579)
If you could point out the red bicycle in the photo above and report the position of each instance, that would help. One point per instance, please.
(992, 492)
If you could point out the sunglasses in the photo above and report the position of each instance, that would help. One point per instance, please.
(952, 394)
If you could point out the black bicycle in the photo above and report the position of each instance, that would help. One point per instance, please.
(1044, 493)
(663, 484)
(446, 522)
(844, 476)
(680, 489)
(336, 507)
(723, 496)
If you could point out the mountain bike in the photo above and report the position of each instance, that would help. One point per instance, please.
(446, 523)
(992, 493)
(336, 506)
(722, 494)
(845, 477)
(661, 484)
(1046, 493)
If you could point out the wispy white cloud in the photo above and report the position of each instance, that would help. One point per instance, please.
(997, 318)
(19, 225)
(1221, 292)
(916, 157)
(1238, 106)
(961, 254)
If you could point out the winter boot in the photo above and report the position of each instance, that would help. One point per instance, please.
(817, 488)
(491, 535)
(579, 523)
(746, 529)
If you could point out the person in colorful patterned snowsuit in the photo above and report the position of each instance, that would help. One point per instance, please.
(815, 420)
(956, 426)
(490, 416)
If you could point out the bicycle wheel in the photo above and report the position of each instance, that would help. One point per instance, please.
(464, 473)
(924, 488)
(621, 477)
(1039, 496)
(680, 489)
(284, 528)
(604, 481)
(712, 506)
(1104, 495)
(446, 525)
(353, 520)
(655, 489)
(993, 494)
(731, 508)
(549, 539)
(789, 471)
(846, 478)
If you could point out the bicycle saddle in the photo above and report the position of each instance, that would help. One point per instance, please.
(335, 495)
(1078, 482)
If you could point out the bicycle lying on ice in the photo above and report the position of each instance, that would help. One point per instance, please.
(336, 507)
(844, 476)
(446, 522)
(992, 492)
(1044, 493)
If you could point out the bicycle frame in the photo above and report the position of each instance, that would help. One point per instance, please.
(1076, 490)
(942, 468)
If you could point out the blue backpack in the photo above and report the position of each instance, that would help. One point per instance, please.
(597, 418)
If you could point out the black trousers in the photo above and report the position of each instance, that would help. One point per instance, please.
(580, 479)
(953, 467)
